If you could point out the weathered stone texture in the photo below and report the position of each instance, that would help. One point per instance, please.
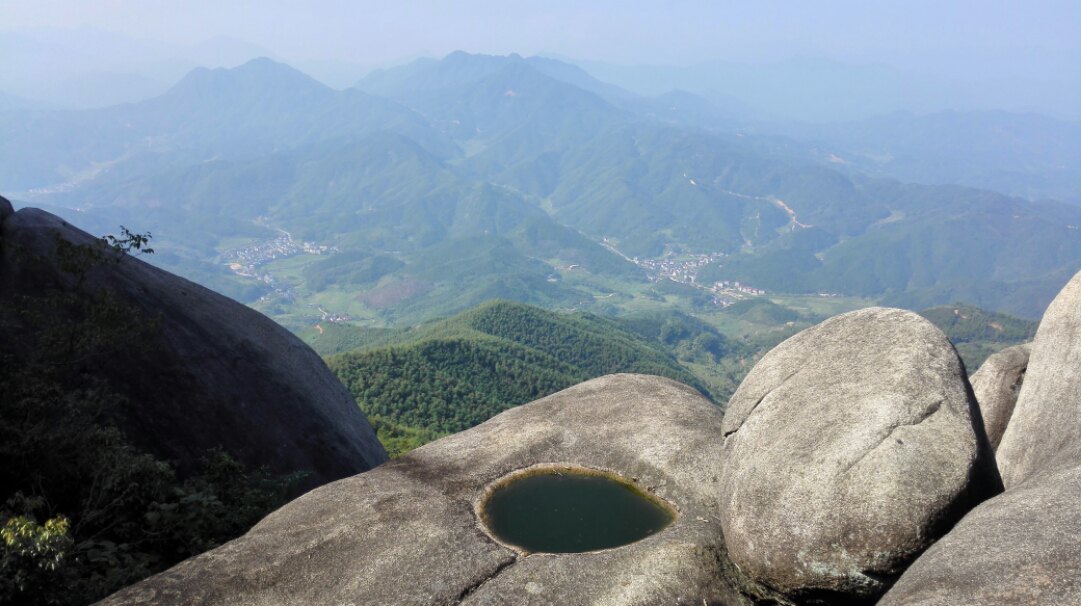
(851, 447)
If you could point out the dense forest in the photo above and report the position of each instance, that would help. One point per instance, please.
(448, 385)
(454, 374)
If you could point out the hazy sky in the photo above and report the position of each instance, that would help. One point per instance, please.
(908, 33)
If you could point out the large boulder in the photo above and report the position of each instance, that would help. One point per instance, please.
(996, 386)
(1044, 431)
(850, 448)
(1017, 549)
(1021, 547)
(406, 533)
(215, 373)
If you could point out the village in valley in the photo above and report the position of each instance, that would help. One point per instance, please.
(684, 270)
(247, 261)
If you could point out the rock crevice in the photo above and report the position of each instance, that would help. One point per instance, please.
(1020, 547)
(504, 565)
(924, 415)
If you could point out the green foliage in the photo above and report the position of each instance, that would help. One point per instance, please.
(30, 554)
(83, 510)
(718, 361)
(763, 311)
(696, 297)
(128, 242)
(978, 333)
(451, 375)
(341, 338)
(685, 336)
(133, 517)
(587, 342)
(399, 439)
(967, 324)
(447, 385)
(349, 269)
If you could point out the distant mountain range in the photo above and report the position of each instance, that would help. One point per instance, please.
(809, 89)
(10, 102)
(440, 184)
(87, 67)
(1021, 154)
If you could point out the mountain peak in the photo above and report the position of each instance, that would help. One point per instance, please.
(259, 76)
(461, 68)
(262, 63)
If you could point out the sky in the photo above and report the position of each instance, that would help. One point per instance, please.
(982, 35)
(936, 54)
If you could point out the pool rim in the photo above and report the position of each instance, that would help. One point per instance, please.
(537, 469)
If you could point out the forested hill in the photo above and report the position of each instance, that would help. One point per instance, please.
(978, 333)
(443, 376)
(450, 375)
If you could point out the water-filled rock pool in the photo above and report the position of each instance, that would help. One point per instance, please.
(569, 510)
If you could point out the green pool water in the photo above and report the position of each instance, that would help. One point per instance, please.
(570, 512)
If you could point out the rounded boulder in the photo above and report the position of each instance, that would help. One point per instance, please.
(996, 386)
(849, 449)
(1044, 432)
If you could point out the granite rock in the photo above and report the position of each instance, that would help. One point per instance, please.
(851, 447)
(407, 532)
(996, 386)
(215, 374)
(1044, 431)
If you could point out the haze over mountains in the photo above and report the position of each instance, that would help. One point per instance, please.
(681, 230)
(443, 183)
(88, 67)
(824, 90)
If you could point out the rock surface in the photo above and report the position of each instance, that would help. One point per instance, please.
(1019, 548)
(221, 374)
(406, 533)
(850, 448)
(996, 385)
(6, 209)
(1044, 432)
